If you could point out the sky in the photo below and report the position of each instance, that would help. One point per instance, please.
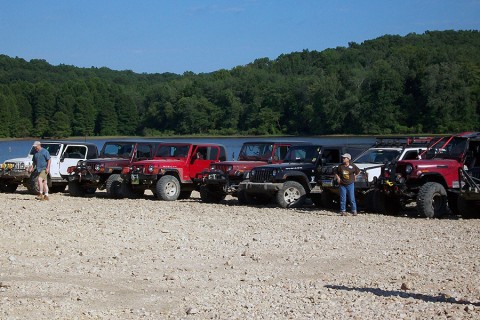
(157, 36)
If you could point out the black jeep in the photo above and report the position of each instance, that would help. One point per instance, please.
(291, 182)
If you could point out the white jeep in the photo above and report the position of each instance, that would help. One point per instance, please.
(64, 154)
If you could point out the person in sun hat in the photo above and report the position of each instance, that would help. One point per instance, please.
(41, 164)
(345, 175)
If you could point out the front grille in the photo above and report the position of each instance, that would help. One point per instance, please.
(262, 175)
(222, 167)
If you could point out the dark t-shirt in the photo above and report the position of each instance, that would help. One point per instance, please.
(347, 173)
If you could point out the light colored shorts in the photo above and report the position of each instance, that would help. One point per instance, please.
(43, 174)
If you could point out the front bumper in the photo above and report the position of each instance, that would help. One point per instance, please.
(260, 187)
(16, 175)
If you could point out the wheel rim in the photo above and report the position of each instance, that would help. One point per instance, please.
(170, 189)
(291, 195)
(437, 202)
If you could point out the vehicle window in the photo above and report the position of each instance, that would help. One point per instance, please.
(52, 148)
(378, 156)
(411, 155)
(165, 151)
(117, 150)
(302, 154)
(75, 152)
(255, 151)
(280, 152)
(331, 155)
(202, 153)
(144, 151)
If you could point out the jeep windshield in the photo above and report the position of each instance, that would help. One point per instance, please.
(172, 151)
(302, 154)
(379, 156)
(117, 150)
(255, 151)
(447, 148)
(52, 148)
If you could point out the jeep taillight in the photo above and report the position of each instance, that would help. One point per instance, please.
(71, 169)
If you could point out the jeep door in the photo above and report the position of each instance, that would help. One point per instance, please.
(70, 157)
(202, 157)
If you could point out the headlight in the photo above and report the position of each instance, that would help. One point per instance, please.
(150, 168)
(97, 167)
(252, 173)
(229, 168)
(274, 172)
(408, 169)
(213, 167)
(22, 165)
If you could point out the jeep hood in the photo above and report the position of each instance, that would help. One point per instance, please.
(161, 162)
(363, 166)
(289, 166)
(26, 159)
(241, 165)
(109, 162)
(432, 163)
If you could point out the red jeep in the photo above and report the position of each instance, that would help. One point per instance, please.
(432, 181)
(104, 172)
(223, 178)
(171, 173)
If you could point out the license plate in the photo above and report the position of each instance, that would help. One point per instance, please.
(327, 183)
(135, 179)
(212, 176)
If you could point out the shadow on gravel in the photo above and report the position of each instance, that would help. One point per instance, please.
(404, 294)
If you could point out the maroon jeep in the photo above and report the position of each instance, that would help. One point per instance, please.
(104, 172)
(223, 178)
(171, 174)
(432, 181)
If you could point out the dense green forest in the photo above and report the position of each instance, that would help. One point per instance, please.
(420, 83)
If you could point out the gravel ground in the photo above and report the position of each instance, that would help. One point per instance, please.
(99, 258)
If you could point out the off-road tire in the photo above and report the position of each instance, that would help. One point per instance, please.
(8, 187)
(468, 209)
(384, 204)
(368, 200)
(184, 195)
(291, 195)
(317, 200)
(210, 196)
(113, 186)
(432, 200)
(168, 188)
(32, 183)
(75, 189)
(129, 192)
(57, 188)
(328, 199)
(242, 197)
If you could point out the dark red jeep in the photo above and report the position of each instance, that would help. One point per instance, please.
(431, 182)
(171, 174)
(104, 172)
(223, 178)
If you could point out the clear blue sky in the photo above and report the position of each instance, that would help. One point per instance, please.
(203, 36)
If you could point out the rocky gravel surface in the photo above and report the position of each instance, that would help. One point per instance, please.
(99, 258)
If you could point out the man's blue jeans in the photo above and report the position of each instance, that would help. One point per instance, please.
(347, 190)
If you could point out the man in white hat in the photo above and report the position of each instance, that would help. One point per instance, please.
(41, 164)
(345, 175)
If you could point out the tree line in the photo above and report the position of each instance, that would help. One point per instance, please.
(419, 83)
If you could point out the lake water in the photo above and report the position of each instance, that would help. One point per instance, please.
(19, 148)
